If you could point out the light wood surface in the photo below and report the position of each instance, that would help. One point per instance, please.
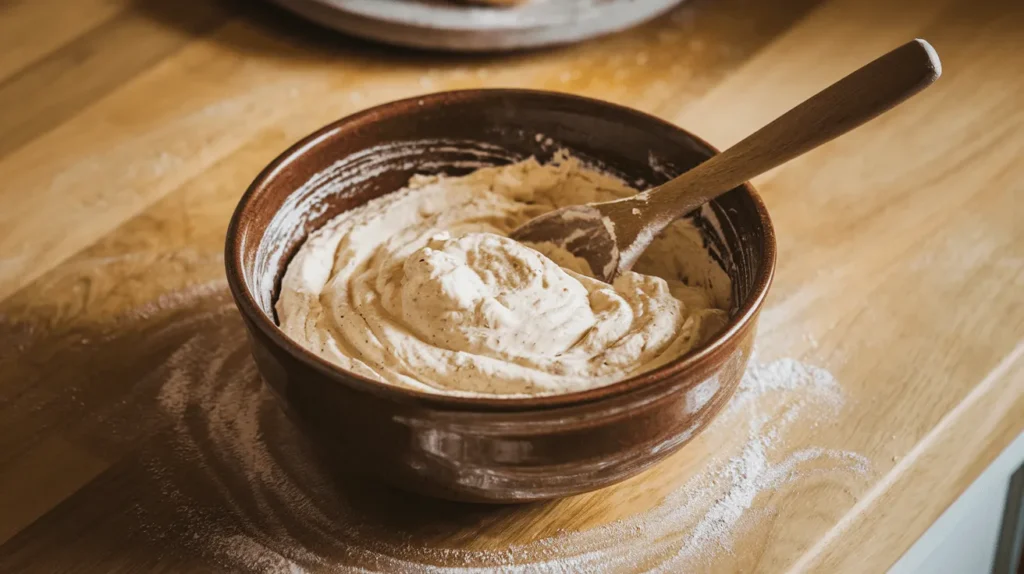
(129, 128)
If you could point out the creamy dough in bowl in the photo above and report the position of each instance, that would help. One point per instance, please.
(421, 288)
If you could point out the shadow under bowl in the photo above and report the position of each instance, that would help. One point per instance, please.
(489, 449)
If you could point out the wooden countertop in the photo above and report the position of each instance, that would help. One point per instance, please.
(133, 436)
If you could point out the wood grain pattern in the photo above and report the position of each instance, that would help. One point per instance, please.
(900, 271)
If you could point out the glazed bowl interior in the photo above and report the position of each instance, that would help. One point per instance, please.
(375, 152)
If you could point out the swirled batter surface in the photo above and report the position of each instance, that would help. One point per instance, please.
(421, 288)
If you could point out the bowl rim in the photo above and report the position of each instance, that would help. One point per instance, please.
(251, 311)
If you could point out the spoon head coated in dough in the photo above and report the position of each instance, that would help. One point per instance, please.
(582, 230)
(609, 236)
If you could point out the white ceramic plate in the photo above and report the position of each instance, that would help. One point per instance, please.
(445, 25)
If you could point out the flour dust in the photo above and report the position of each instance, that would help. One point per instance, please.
(252, 497)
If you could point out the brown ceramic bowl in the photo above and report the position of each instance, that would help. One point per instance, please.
(488, 449)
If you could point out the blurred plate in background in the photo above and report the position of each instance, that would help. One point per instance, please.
(448, 25)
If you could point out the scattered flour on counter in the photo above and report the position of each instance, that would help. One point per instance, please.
(251, 497)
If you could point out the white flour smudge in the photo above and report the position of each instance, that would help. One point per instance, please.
(279, 511)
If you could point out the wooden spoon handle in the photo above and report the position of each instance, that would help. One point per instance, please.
(846, 104)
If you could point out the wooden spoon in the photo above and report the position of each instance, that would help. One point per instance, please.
(612, 235)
